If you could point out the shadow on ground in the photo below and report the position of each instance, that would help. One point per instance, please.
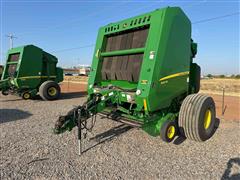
(15, 98)
(66, 95)
(11, 100)
(180, 139)
(233, 170)
(109, 135)
(8, 115)
(71, 95)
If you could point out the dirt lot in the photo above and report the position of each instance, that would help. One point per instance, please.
(67, 87)
(208, 86)
(29, 150)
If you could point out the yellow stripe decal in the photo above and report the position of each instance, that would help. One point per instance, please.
(145, 104)
(174, 75)
(34, 77)
(144, 81)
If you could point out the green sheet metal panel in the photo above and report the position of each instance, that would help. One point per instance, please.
(163, 73)
(29, 66)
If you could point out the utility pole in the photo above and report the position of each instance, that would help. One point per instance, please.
(11, 37)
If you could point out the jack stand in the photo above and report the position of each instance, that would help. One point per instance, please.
(79, 133)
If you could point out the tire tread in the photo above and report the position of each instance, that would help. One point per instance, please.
(189, 115)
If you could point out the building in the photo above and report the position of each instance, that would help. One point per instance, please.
(70, 72)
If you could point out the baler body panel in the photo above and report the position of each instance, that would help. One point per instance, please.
(156, 61)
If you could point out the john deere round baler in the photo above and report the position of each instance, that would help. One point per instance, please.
(30, 70)
(143, 74)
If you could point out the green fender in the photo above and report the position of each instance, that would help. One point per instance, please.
(153, 128)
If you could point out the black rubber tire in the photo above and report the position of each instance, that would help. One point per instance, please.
(5, 93)
(191, 117)
(164, 131)
(44, 90)
(26, 95)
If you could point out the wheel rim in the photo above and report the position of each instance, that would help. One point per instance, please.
(52, 91)
(26, 95)
(207, 119)
(171, 132)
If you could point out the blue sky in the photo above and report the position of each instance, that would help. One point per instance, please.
(57, 26)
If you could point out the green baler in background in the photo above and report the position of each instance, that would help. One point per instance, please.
(30, 70)
(1, 70)
(143, 74)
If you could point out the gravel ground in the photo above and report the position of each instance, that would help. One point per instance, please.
(29, 150)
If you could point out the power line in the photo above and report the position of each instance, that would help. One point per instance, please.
(215, 18)
(196, 22)
(74, 48)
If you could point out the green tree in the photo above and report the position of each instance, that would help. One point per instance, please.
(210, 75)
(237, 76)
